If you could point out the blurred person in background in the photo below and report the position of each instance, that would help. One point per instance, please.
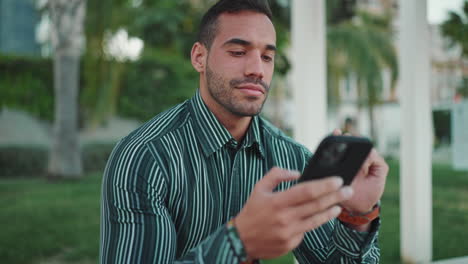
(350, 127)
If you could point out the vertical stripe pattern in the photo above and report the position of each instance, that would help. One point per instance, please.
(170, 187)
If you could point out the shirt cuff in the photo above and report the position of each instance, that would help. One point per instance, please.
(235, 242)
(354, 243)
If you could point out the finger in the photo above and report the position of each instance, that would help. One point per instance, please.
(318, 219)
(377, 164)
(307, 210)
(274, 177)
(309, 191)
(337, 132)
(373, 160)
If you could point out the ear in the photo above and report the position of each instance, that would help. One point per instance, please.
(198, 57)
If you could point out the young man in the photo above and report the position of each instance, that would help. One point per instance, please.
(209, 181)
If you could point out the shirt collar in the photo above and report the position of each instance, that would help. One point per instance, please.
(253, 136)
(213, 135)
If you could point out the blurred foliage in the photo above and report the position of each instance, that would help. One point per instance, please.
(102, 18)
(455, 28)
(154, 83)
(163, 76)
(358, 43)
(19, 161)
(30, 90)
(364, 47)
(27, 161)
(442, 127)
(463, 87)
(166, 25)
(340, 10)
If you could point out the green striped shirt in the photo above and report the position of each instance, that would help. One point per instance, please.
(171, 186)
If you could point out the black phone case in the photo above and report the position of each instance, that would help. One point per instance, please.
(338, 156)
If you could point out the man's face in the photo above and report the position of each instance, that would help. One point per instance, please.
(240, 63)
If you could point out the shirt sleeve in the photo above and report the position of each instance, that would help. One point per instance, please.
(136, 226)
(333, 242)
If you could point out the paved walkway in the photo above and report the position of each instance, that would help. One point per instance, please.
(20, 128)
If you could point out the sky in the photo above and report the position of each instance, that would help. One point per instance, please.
(437, 9)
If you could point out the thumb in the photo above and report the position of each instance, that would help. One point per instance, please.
(276, 176)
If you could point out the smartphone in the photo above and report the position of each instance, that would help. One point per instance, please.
(337, 156)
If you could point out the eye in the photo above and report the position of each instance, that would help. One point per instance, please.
(237, 53)
(267, 58)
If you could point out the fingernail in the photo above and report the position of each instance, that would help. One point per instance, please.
(347, 191)
(338, 180)
(336, 210)
(294, 174)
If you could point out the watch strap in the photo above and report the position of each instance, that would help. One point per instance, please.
(359, 219)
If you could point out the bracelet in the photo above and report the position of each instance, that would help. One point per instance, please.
(360, 219)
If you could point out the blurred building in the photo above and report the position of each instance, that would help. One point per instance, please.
(447, 66)
(18, 22)
(447, 71)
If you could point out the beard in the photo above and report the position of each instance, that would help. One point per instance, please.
(223, 91)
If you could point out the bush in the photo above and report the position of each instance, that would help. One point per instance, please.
(32, 161)
(150, 85)
(23, 161)
(442, 126)
(95, 156)
(154, 83)
(27, 84)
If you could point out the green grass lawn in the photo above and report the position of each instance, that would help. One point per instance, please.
(45, 222)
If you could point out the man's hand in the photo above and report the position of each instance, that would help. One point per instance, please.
(273, 223)
(368, 184)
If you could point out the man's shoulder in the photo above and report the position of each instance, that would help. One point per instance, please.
(273, 133)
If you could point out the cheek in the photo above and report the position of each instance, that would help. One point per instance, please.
(269, 71)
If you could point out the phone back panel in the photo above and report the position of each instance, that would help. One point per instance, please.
(338, 156)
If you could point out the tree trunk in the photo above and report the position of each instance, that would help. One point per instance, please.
(67, 23)
(373, 131)
(117, 70)
(65, 156)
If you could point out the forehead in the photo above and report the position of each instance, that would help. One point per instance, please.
(247, 25)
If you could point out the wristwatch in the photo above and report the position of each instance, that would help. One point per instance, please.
(359, 219)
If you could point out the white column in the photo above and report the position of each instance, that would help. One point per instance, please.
(416, 134)
(309, 71)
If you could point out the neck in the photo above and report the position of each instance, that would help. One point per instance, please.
(236, 125)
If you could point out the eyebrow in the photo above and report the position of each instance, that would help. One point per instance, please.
(242, 42)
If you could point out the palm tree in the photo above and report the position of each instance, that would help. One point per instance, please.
(101, 75)
(455, 28)
(362, 47)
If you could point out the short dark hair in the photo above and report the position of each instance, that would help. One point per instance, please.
(209, 23)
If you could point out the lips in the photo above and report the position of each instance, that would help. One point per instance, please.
(252, 89)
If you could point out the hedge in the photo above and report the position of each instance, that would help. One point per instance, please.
(150, 85)
(31, 161)
(26, 83)
(154, 83)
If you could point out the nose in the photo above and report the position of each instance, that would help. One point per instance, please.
(254, 66)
